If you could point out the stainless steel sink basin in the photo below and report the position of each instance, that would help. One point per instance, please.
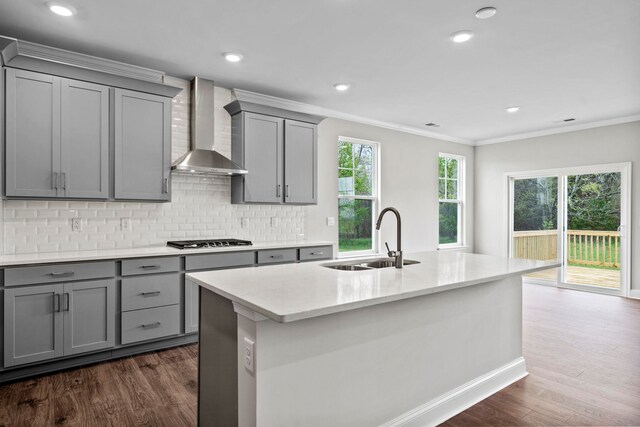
(348, 267)
(388, 262)
(370, 264)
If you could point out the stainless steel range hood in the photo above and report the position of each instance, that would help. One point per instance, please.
(203, 159)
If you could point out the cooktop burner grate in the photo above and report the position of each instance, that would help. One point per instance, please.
(210, 243)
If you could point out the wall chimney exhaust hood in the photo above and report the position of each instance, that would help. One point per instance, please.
(202, 159)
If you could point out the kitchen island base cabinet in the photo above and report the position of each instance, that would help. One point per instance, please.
(419, 360)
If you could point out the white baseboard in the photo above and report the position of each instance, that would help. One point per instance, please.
(457, 400)
(634, 293)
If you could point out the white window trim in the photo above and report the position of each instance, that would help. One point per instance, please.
(375, 245)
(460, 201)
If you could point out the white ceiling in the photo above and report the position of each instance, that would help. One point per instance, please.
(555, 59)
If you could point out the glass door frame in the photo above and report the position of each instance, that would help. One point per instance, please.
(625, 170)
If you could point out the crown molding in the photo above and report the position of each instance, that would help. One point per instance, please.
(554, 131)
(272, 101)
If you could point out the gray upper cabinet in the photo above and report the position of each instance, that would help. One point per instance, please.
(142, 145)
(85, 140)
(300, 162)
(32, 103)
(281, 157)
(259, 149)
(33, 325)
(57, 137)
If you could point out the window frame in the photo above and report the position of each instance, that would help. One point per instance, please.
(460, 200)
(375, 197)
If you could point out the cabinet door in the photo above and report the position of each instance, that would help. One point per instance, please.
(191, 306)
(32, 134)
(89, 316)
(142, 145)
(300, 162)
(85, 140)
(32, 324)
(263, 144)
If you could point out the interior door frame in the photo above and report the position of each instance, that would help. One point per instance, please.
(625, 170)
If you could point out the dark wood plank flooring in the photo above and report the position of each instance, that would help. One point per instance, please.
(582, 352)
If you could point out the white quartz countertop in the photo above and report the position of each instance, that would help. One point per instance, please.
(150, 251)
(286, 293)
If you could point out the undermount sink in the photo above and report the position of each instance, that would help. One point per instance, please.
(369, 264)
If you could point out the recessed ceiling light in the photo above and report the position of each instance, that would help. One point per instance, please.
(513, 109)
(61, 9)
(486, 12)
(341, 86)
(461, 36)
(233, 56)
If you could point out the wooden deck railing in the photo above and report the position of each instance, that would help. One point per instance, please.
(585, 247)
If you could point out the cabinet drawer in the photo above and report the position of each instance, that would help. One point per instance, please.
(210, 261)
(277, 255)
(150, 265)
(318, 252)
(150, 323)
(54, 273)
(150, 291)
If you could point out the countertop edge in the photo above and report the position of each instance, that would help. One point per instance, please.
(302, 315)
(14, 260)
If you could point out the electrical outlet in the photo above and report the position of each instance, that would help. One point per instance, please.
(249, 354)
(244, 222)
(76, 225)
(331, 221)
(125, 224)
(275, 221)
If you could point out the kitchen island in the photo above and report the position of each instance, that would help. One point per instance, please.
(305, 344)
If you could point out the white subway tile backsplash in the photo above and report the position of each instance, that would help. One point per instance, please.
(200, 206)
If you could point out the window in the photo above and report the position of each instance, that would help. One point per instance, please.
(357, 195)
(451, 199)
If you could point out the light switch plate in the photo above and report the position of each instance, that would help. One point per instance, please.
(244, 222)
(275, 221)
(331, 221)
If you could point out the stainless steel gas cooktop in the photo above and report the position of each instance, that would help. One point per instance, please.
(211, 243)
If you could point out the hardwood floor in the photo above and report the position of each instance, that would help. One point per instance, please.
(583, 357)
(582, 352)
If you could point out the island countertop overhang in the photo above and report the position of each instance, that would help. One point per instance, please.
(291, 292)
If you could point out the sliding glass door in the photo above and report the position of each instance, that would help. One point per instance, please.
(577, 216)
(592, 238)
(534, 232)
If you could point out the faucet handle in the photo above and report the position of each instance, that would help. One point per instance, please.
(390, 253)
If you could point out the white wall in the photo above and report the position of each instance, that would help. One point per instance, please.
(610, 144)
(409, 182)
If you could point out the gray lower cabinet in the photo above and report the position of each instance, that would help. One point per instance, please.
(142, 145)
(191, 306)
(47, 321)
(57, 137)
(33, 325)
(281, 157)
(89, 316)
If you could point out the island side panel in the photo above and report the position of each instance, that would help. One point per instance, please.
(217, 361)
(371, 365)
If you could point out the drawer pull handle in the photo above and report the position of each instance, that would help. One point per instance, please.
(150, 325)
(150, 294)
(150, 267)
(276, 256)
(316, 253)
(63, 274)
